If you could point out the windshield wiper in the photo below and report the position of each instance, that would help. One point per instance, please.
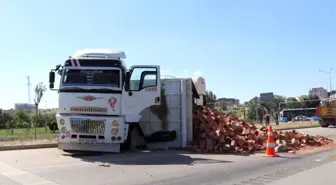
(72, 88)
(97, 90)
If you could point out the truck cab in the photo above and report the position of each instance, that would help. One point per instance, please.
(327, 112)
(99, 98)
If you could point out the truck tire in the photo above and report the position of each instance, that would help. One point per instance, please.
(70, 151)
(323, 124)
(127, 145)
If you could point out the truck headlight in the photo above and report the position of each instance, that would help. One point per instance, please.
(62, 121)
(115, 123)
(114, 131)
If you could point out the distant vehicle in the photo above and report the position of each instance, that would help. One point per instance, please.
(301, 118)
(315, 118)
(327, 112)
(290, 114)
(283, 119)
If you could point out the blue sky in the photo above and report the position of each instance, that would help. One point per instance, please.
(241, 48)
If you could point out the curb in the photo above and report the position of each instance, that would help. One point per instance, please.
(24, 147)
(297, 128)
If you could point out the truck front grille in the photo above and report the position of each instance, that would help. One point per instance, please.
(87, 126)
(88, 109)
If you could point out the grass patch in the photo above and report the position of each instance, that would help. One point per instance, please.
(296, 125)
(12, 134)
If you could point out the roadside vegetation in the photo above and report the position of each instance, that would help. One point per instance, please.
(254, 108)
(19, 123)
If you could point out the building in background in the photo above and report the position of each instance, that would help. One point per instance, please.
(24, 106)
(319, 91)
(228, 101)
(266, 97)
(225, 103)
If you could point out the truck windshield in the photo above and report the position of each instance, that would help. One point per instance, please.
(79, 77)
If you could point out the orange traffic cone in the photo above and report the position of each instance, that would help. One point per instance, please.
(270, 146)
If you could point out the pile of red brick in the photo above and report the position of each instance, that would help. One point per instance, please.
(215, 132)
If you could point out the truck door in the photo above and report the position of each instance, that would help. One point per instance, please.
(143, 91)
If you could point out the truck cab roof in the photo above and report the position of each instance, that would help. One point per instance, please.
(106, 53)
(103, 54)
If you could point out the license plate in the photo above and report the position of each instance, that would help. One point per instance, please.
(87, 141)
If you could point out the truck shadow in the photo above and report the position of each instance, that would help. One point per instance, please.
(146, 158)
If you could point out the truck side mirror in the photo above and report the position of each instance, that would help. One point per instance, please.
(51, 79)
(127, 81)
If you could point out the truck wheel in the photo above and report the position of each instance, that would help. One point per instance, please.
(127, 144)
(72, 152)
(324, 125)
(133, 127)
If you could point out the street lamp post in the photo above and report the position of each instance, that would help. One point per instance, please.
(329, 77)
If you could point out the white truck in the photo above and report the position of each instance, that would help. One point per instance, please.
(103, 106)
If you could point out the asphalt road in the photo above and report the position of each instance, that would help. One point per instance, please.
(326, 132)
(324, 174)
(53, 167)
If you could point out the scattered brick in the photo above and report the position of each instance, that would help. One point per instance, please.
(215, 132)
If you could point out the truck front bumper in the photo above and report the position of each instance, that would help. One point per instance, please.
(91, 130)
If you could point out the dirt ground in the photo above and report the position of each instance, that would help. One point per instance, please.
(294, 125)
(28, 142)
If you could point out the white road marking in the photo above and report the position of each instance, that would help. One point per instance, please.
(23, 177)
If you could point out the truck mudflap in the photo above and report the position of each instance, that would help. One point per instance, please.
(97, 147)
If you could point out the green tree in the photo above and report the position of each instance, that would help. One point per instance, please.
(49, 120)
(252, 107)
(223, 106)
(255, 106)
(332, 92)
(293, 103)
(303, 98)
(39, 92)
(19, 117)
(2, 121)
(10, 124)
(210, 97)
(309, 101)
(274, 104)
(37, 119)
(5, 116)
(314, 101)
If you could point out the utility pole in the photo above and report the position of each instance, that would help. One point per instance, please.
(28, 84)
(330, 86)
(330, 79)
